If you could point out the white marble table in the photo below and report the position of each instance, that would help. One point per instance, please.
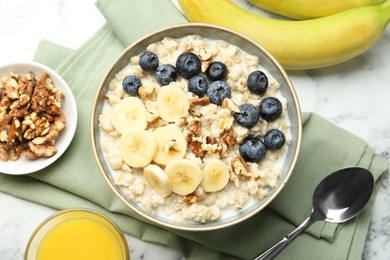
(354, 95)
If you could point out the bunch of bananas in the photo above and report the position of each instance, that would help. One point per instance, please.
(335, 31)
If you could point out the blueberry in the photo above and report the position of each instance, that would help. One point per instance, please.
(270, 108)
(257, 82)
(165, 74)
(218, 91)
(274, 139)
(248, 115)
(252, 149)
(198, 85)
(188, 65)
(216, 71)
(148, 61)
(131, 84)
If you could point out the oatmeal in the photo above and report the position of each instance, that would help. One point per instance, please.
(194, 128)
(30, 116)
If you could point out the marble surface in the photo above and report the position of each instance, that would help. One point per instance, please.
(354, 95)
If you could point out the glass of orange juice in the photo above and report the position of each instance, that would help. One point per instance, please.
(77, 234)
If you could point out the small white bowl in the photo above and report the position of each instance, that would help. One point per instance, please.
(69, 108)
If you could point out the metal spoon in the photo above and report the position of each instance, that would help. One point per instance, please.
(337, 198)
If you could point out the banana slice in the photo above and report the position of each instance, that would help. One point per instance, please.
(137, 147)
(172, 103)
(129, 113)
(158, 179)
(215, 176)
(171, 144)
(184, 176)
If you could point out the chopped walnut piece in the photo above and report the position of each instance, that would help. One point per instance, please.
(5, 101)
(195, 145)
(194, 126)
(42, 150)
(39, 140)
(23, 100)
(5, 120)
(211, 140)
(38, 128)
(13, 131)
(203, 101)
(204, 56)
(148, 90)
(50, 118)
(196, 148)
(3, 152)
(14, 154)
(205, 65)
(27, 153)
(42, 80)
(11, 92)
(213, 149)
(190, 199)
(20, 112)
(229, 104)
(3, 136)
(189, 137)
(58, 125)
(239, 166)
(228, 138)
(153, 123)
(44, 98)
(30, 87)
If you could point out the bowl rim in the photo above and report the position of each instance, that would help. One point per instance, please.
(66, 135)
(72, 210)
(200, 227)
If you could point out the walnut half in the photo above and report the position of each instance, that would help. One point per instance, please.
(228, 138)
(239, 166)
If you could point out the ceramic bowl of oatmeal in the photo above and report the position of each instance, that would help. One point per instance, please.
(196, 127)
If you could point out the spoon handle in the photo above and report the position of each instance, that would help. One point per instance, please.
(285, 241)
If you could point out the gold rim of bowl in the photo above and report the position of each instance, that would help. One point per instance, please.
(194, 28)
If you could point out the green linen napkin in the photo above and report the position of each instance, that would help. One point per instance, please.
(75, 181)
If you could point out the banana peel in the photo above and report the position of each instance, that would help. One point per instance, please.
(309, 9)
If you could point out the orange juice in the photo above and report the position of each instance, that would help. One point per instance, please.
(77, 235)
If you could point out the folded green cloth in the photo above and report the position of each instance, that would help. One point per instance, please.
(75, 181)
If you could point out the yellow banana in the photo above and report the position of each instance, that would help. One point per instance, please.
(298, 45)
(308, 9)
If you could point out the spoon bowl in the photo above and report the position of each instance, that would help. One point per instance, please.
(343, 194)
(339, 197)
